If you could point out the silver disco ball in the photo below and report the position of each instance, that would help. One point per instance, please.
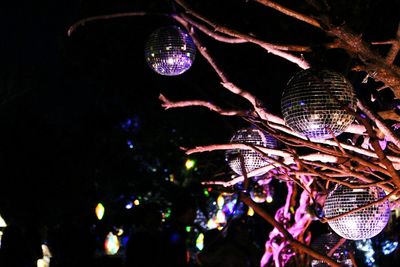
(312, 103)
(170, 51)
(362, 224)
(324, 244)
(252, 159)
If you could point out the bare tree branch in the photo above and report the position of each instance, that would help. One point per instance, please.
(167, 104)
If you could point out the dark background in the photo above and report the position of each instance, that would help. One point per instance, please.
(63, 99)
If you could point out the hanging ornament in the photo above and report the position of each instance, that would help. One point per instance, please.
(170, 51)
(252, 159)
(313, 103)
(260, 193)
(325, 243)
(362, 224)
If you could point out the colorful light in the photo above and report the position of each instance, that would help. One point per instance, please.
(129, 205)
(200, 241)
(136, 202)
(100, 211)
(111, 244)
(189, 164)
(220, 201)
(250, 212)
(2, 222)
(220, 218)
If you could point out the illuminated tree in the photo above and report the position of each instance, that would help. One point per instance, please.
(365, 156)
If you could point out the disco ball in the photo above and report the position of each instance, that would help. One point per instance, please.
(259, 193)
(312, 103)
(252, 159)
(362, 224)
(324, 243)
(170, 51)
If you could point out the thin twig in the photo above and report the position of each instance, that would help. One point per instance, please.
(82, 22)
(167, 104)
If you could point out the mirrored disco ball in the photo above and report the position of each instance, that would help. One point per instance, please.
(170, 51)
(362, 224)
(252, 159)
(312, 103)
(259, 193)
(324, 244)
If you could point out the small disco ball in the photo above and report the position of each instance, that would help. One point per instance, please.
(324, 244)
(362, 224)
(252, 159)
(259, 193)
(312, 103)
(170, 51)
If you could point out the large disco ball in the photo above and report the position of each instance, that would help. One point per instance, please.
(252, 159)
(324, 244)
(362, 224)
(170, 51)
(312, 103)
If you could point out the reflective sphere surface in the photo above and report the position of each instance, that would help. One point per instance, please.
(312, 103)
(170, 51)
(361, 224)
(324, 244)
(252, 159)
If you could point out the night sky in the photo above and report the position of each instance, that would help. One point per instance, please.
(63, 99)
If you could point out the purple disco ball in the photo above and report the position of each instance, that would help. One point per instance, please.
(170, 51)
(363, 224)
(252, 159)
(313, 100)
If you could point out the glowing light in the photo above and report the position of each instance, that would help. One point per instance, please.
(212, 224)
(388, 247)
(120, 231)
(250, 212)
(200, 241)
(2, 222)
(136, 202)
(221, 218)
(220, 201)
(111, 244)
(45, 261)
(100, 211)
(189, 164)
(206, 193)
(269, 199)
(129, 205)
(188, 229)
(171, 178)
